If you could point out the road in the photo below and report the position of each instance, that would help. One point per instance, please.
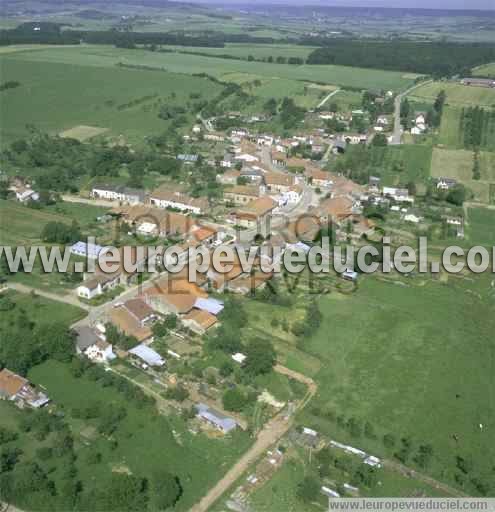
(66, 299)
(93, 202)
(273, 431)
(327, 98)
(397, 134)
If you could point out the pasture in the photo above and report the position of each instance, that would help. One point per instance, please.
(21, 225)
(457, 164)
(450, 128)
(480, 226)
(413, 360)
(40, 310)
(59, 96)
(457, 94)
(82, 133)
(105, 56)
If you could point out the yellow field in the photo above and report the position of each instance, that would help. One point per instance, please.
(82, 132)
(457, 94)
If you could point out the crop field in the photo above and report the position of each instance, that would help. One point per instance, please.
(82, 133)
(487, 166)
(105, 56)
(450, 128)
(457, 94)
(55, 97)
(457, 164)
(258, 51)
(145, 444)
(392, 355)
(488, 70)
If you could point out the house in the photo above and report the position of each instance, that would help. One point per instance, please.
(120, 193)
(374, 184)
(147, 355)
(140, 311)
(244, 284)
(229, 177)
(93, 345)
(246, 157)
(215, 418)
(357, 138)
(279, 182)
(239, 357)
(254, 174)
(398, 194)
(378, 129)
(213, 306)
(293, 195)
(241, 194)
(382, 120)
(204, 235)
(338, 147)
(410, 217)
(478, 82)
(214, 136)
(188, 158)
(97, 284)
(319, 178)
(25, 194)
(17, 389)
(199, 321)
(127, 324)
(163, 197)
(279, 159)
(336, 209)
(87, 250)
(257, 214)
(446, 183)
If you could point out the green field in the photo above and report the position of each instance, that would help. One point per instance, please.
(20, 225)
(488, 70)
(102, 56)
(457, 164)
(450, 128)
(412, 360)
(40, 310)
(59, 96)
(480, 223)
(258, 51)
(457, 94)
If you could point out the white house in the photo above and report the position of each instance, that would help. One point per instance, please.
(97, 285)
(87, 250)
(24, 195)
(410, 217)
(118, 193)
(93, 345)
(165, 198)
(446, 183)
(399, 194)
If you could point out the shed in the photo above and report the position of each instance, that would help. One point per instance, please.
(148, 355)
(212, 306)
(215, 418)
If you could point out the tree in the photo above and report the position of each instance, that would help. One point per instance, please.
(308, 490)
(124, 492)
(379, 140)
(234, 400)
(260, 357)
(457, 195)
(165, 490)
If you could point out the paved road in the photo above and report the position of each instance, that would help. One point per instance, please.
(271, 433)
(327, 98)
(397, 134)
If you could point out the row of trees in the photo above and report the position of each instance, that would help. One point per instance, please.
(474, 122)
(438, 59)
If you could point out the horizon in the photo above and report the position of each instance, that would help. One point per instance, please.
(457, 5)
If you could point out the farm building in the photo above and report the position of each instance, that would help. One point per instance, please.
(215, 418)
(17, 389)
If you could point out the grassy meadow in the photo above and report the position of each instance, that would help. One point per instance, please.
(457, 94)
(487, 70)
(105, 56)
(55, 97)
(479, 226)
(415, 361)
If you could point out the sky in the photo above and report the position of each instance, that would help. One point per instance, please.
(425, 4)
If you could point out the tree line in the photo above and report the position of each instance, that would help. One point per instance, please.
(436, 59)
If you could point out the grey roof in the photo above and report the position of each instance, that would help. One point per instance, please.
(217, 418)
(148, 355)
(86, 337)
